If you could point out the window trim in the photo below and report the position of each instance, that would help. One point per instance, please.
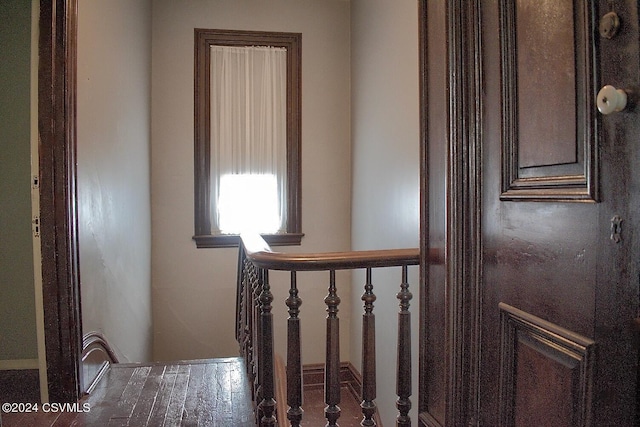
(204, 38)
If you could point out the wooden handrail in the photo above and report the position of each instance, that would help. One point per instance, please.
(254, 327)
(97, 355)
(95, 339)
(259, 252)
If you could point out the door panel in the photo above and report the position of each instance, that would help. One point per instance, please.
(545, 138)
(537, 298)
(546, 372)
(546, 56)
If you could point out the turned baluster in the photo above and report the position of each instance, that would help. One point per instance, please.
(404, 353)
(294, 359)
(256, 289)
(246, 308)
(240, 306)
(368, 354)
(265, 370)
(332, 367)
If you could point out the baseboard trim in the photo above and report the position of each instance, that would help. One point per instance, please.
(18, 364)
(350, 377)
(313, 377)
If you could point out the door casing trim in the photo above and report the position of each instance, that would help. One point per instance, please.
(58, 198)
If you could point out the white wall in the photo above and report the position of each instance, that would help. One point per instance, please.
(114, 93)
(194, 289)
(360, 82)
(386, 185)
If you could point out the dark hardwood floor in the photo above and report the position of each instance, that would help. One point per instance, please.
(350, 415)
(212, 392)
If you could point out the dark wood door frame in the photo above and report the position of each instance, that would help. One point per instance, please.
(458, 39)
(58, 198)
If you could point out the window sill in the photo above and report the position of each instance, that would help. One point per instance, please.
(233, 240)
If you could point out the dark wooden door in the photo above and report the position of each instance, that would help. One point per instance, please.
(534, 197)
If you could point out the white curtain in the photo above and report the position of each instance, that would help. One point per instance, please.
(248, 134)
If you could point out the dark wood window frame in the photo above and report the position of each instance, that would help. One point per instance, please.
(204, 39)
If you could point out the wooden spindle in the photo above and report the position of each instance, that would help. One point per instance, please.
(266, 367)
(404, 353)
(244, 335)
(240, 281)
(332, 367)
(294, 359)
(249, 298)
(256, 288)
(368, 354)
(259, 330)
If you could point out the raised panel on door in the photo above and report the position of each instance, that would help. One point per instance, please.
(546, 372)
(536, 211)
(547, 60)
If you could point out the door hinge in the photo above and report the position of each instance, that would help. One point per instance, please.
(35, 223)
(35, 182)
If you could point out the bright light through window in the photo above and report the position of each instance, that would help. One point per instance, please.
(248, 202)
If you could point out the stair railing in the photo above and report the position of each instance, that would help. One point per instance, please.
(254, 329)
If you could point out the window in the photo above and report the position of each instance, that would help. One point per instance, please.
(238, 197)
(247, 162)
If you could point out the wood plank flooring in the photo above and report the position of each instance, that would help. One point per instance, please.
(350, 412)
(212, 392)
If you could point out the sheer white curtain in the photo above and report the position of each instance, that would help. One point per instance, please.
(248, 139)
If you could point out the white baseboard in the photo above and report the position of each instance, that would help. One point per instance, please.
(6, 365)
